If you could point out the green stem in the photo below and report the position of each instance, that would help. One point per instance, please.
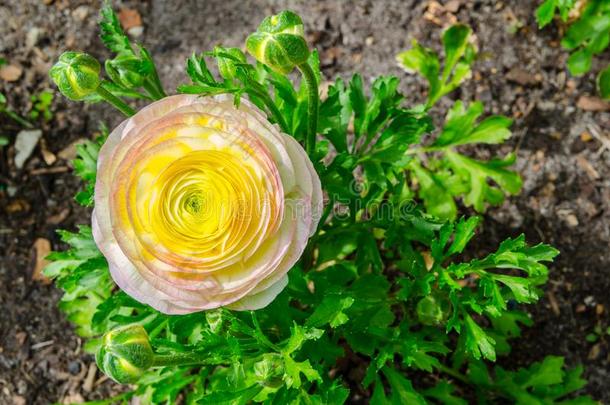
(115, 101)
(152, 90)
(157, 82)
(183, 359)
(453, 373)
(275, 112)
(312, 107)
(17, 118)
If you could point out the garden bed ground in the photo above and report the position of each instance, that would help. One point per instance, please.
(561, 143)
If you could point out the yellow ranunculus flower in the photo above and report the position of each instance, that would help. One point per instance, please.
(200, 204)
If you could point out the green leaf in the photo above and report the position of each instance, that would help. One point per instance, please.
(444, 393)
(240, 397)
(548, 372)
(455, 40)
(437, 199)
(460, 128)
(113, 35)
(579, 62)
(330, 311)
(293, 371)
(402, 389)
(464, 231)
(545, 13)
(603, 83)
(478, 342)
(476, 173)
(425, 62)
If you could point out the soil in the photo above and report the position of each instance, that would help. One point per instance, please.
(562, 148)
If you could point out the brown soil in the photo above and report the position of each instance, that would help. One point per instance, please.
(565, 200)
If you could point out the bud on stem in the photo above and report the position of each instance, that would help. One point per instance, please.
(77, 75)
(126, 354)
(279, 43)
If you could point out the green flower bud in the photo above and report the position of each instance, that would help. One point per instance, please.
(279, 42)
(227, 66)
(125, 354)
(76, 74)
(127, 71)
(432, 311)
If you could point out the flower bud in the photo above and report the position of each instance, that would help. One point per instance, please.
(279, 42)
(76, 74)
(125, 354)
(126, 71)
(432, 310)
(227, 66)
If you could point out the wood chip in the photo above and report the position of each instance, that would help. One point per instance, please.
(48, 156)
(20, 337)
(18, 400)
(594, 352)
(130, 18)
(428, 260)
(587, 167)
(553, 302)
(69, 152)
(10, 73)
(58, 218)
(522, 77)
(599, 309)
(41, 248)
(90, 379)
(50, 170)
(589, 103)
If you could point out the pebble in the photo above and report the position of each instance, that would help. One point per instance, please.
(136, 32)
(74, 367)
(24, 145)
(546, 105)
(572, 220)
(32, 37)
(10, 73)
(80, 13)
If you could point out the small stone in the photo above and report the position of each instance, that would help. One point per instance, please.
(546, 105)
(589, 103)
(80, 13)
(599, 309)
(571, 220)
(32, 37)
(25, 143)
(130, 18)
(10, 73)
(452, 6)
(136, 32)
(585, 136)
(74, 367)
(589, 300)
(18, 400)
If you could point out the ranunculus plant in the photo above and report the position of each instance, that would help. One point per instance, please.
(251, 242)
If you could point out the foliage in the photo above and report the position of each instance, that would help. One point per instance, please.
(448, 174)
(587, 36)
(383, 284)
(41, 106)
